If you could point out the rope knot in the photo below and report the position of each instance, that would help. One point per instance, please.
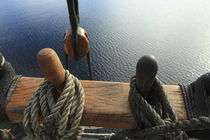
(59, 119)
(152, 110)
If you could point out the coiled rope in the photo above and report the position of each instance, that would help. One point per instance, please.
(61, 117)
(5, 134)
(156, 113)
(200, 123)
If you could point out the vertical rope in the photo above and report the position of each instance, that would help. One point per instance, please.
(74, 25)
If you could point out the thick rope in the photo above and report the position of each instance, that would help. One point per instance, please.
(5, 134)
(196, 97)
(147, 114)
(61, 118)
(200, 123)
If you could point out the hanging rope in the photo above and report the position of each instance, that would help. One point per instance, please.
(73, 9)
(62, 116)
(196, 97)
(74, 21)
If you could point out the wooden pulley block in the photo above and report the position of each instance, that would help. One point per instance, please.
(83, 42)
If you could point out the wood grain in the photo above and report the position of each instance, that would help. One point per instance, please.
(51, 67)
(106, 103)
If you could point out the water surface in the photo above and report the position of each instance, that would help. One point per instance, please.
(176, 32)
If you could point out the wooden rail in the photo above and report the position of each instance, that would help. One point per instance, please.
(106, 103)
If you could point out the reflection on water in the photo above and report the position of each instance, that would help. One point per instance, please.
(176, 32)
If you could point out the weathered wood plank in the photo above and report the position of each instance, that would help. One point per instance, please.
(106, 103)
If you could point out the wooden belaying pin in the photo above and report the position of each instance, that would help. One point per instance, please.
(146, 70)
(51, 67)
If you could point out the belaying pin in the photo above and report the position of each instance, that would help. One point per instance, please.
(146, 70)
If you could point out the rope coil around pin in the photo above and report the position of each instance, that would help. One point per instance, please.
(151, 108)
(61, 118)
(157, 112)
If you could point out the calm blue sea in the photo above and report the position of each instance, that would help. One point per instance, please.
(176, 32)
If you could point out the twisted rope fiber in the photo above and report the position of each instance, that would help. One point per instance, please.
(5, 134)
(147, 116)
(61, 118)
(199, 123)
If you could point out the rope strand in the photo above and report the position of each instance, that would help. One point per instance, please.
(149, 116)
(62, 116)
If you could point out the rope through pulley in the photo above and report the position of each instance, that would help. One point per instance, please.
(76, 40)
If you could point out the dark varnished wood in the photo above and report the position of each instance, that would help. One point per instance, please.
(146, 70)
(106, 103)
